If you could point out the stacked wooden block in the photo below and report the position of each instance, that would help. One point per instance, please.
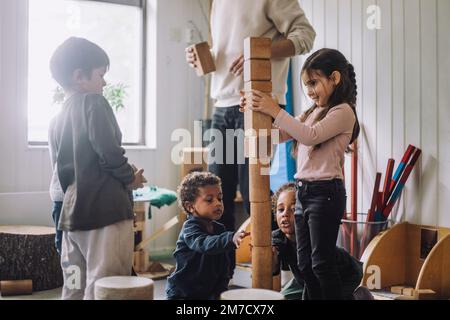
(194, 159)
(257, 76)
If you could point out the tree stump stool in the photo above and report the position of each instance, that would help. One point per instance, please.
(28, 253)
(124, 288)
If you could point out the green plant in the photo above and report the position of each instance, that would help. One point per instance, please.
(114, 93)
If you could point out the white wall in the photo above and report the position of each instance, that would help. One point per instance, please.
(175, 98)
(403, 93)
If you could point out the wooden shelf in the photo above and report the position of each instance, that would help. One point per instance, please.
(405, 256)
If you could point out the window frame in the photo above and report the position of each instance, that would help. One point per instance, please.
(142, 141)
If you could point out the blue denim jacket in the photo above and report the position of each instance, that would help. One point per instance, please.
(203, 262)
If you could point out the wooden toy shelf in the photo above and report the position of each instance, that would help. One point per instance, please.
(413, 256)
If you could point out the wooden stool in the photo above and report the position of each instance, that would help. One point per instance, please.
(251, 294)
(28, 253)
(124, 288)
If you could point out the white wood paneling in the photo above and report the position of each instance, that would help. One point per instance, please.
(344, 27)
(384, 86)
(357, 26)
(368, 105)
(331, 24)
(319, 23)
(413, 102)
(429, 112)
(443, 14)
(398, 88)
(403, 94)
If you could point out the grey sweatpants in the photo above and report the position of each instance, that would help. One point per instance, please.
(87, 256)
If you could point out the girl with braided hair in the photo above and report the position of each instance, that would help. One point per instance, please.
(323, 134)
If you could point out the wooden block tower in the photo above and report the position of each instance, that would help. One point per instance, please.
(258, 75)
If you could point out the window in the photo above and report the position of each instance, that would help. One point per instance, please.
(118, 26)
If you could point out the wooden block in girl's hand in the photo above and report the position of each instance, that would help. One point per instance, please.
(257, 70)
(257, 48)
(204, 63)
(263, 86)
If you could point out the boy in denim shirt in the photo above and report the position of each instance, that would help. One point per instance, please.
(205, 250)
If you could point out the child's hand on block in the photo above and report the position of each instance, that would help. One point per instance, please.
(261, 102)
(239, 236)
(138, 181)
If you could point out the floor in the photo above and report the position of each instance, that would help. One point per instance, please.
(55, 294)
(241, 279)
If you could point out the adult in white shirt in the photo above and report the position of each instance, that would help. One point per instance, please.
(231, 22)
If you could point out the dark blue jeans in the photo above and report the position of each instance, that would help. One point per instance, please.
(318, 211)
(230, 172)
(56, 212)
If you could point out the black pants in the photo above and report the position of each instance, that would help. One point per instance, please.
(318, 211)
(231, 171)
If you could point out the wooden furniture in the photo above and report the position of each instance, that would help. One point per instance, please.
(410, 255)
(123, 288)
(29, 253)
(142, 265)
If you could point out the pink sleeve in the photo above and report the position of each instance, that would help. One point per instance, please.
(340, 119)
(283, 136)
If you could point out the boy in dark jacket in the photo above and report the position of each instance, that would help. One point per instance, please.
(205, 250)
(95, 176)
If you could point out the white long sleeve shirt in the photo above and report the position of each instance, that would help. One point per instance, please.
(234, 20)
